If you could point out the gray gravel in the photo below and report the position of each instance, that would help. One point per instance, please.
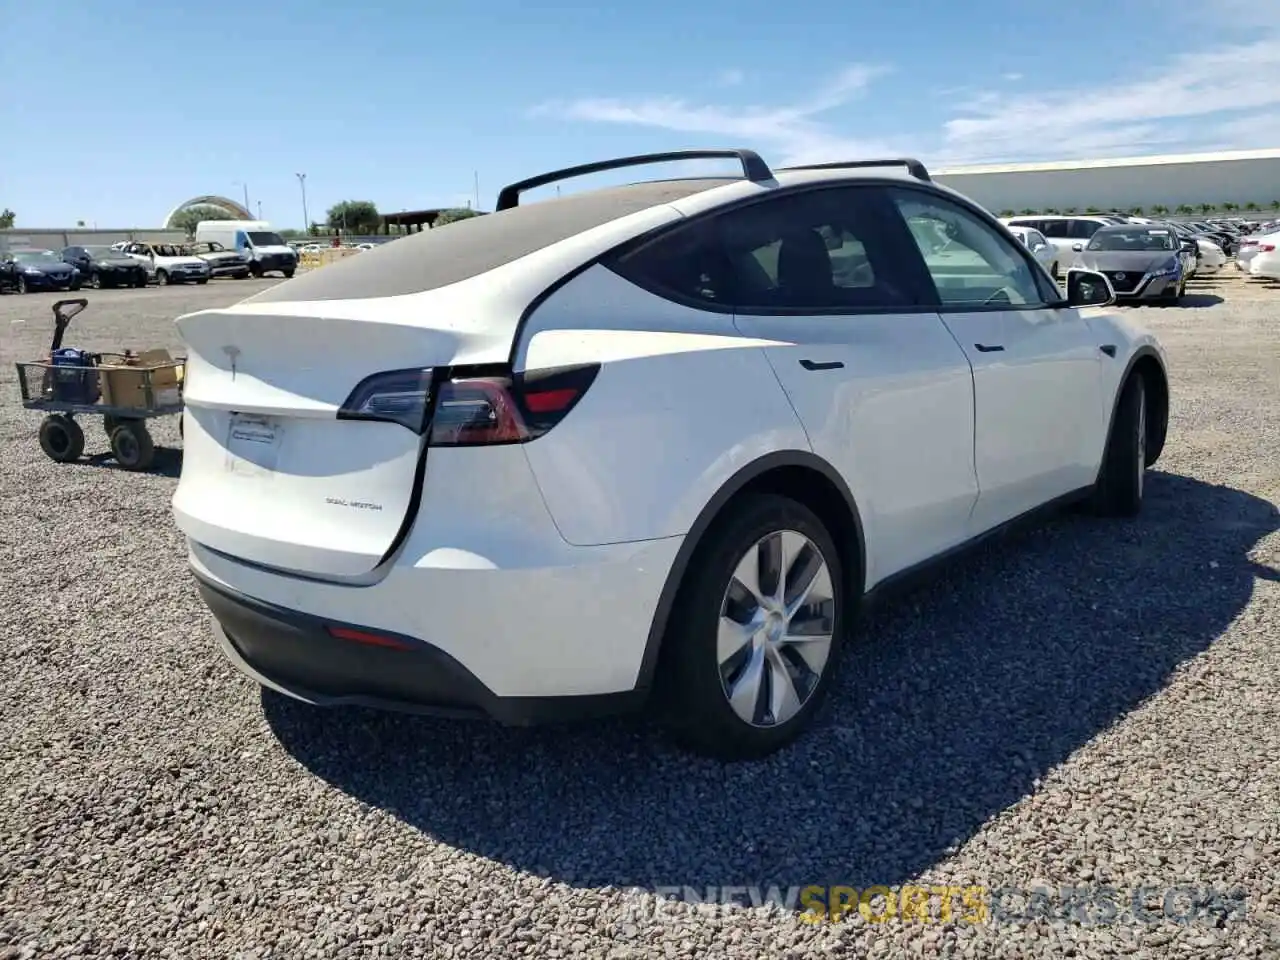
(1095, 703)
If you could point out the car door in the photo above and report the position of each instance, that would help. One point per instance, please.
(78, 258)
(1037, 368)
(879, 384)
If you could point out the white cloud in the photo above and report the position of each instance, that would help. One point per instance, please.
(794, 129)
(731, 78)
(1172, 107)
(1224, 96)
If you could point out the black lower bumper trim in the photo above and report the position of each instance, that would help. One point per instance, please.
(296, 653)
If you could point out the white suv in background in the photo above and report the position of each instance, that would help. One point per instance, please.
(166, 263)
(660, 438)
(1066, 233)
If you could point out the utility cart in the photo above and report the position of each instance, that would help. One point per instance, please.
(125, 389)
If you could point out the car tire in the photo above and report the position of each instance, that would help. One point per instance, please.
(61, 438)
(1055, 272)
(162, 278)
(202, 282)
(132, 446)
(256, 271)
(22, 285)
(711, 696)
(95, 280)
(1122, 479)
(288, 274)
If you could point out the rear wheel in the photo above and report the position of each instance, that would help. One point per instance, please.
(61, 438)
(755, 633)
(256, 270)
(162, 277)
(288, 274)
(202, 282)
(132, 446)
(22, 285)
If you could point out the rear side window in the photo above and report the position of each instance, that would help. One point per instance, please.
(1056, 228)
(1084, 229)
(816, 251)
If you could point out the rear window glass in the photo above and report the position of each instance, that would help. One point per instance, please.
(470, 247)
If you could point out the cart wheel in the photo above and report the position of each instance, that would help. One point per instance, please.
(132, 445)
(61, 438)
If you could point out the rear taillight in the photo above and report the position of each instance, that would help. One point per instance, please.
(1266, 248)
(397, 396)
(470, 410)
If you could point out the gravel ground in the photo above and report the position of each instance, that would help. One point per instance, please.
(1094, 704)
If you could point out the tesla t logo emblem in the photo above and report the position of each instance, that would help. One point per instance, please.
(232, 353)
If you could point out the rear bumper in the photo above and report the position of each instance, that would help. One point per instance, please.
(295, 654)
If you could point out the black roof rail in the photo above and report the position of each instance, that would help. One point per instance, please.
(914, 167)
(753, 168)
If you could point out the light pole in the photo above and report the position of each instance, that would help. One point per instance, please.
(259, 209)
(306, 221)
(238, 183)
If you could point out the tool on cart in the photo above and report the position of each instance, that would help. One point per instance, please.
(125, 389)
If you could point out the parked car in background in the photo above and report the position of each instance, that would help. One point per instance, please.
(1265, 262)
(1250, 247)
(443, 482)
(1210, 257)
(167, 263)
(25, 271)
(1064, 232)
(1044, 251)
(1142, 261)
(222, 262)
(104, 266)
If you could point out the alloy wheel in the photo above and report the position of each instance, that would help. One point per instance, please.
(776, 627)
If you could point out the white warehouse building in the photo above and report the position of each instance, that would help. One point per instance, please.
(1241, 177)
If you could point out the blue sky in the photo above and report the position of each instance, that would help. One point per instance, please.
(116, 110)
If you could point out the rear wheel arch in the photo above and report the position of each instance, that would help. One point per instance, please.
(797, 474)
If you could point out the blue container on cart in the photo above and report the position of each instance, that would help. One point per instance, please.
(74, 385)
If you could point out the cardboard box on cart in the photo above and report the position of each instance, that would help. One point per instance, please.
(124, 380)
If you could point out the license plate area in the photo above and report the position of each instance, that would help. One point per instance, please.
(253, 445)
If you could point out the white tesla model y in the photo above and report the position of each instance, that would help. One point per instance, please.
(664, 438)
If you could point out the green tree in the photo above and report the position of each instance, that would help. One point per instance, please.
(188, 218)
(1275, 205)
(1028, 212)
(1207, 208)
(1159, 209)
(1092, 210)
(354, 217)
(1251, 207)
(1053, 212)
(1134, 211)
(7, 217)
(1185, 209)
(453, 214)
(1069, 211)
(1007, 213)
(1230, 207)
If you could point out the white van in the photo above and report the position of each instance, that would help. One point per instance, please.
(266, 249)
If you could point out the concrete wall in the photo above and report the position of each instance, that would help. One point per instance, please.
(1121, 187)
(54, 238)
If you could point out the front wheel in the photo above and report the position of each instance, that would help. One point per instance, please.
(202, 282)
(22, 285)
(162, 278)
(1122, 480)
(288, 274)
(755, 632)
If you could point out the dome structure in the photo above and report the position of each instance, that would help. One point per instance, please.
(237, 211)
